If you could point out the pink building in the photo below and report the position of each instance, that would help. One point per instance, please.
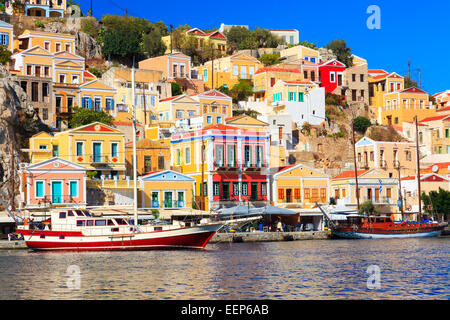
(54, 182)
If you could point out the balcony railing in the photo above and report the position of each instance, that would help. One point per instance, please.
(383, 164)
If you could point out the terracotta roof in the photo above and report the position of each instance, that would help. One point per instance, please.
(444, 109)
(297, 82)
(350, 174)
(150, 173)
(88, 74)
(126, 123)
(441, 165)
(409, 178)
(414, 90)
(168, 99)
(376, 71)
(435, 118)
(277, 70)
(280, 169)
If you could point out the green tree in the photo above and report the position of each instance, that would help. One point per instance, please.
(5, 55)
(361, 124)
(84, 116)
(309, 45)
(241, 91)
(409, 82)
(121, 37)
(176, 89)
(367, 208)
(235, 36)
(251, 113)
(224, 89)
(341, 51)
(437, 202)
(269, 59)
(153, 46)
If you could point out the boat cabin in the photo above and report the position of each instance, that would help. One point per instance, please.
(82, 220)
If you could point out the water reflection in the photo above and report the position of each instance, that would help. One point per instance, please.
(410, 269)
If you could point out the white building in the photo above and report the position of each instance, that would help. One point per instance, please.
(290, 36)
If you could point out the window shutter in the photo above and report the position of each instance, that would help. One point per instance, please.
(7, 39)
(297, 193)
(281, 194)
(90, 103)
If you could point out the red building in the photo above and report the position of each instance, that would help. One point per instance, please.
(331, 75)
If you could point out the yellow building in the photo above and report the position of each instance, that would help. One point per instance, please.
(50, 41)
(373, 185)
(229, 70)
(202, 39)
(6, 35)
(35, 62)
(177, 108)
(392, 104)
(265, 79)
(38, 8)
(300, 52)
(301, 185)
(95, 146)
(167, 190)
(246, 122)
(215, 106)
(149, 89)
(98, 96)
(404, 105)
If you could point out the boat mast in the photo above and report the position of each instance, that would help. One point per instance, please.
(418, 168)
(354, 162)
(133, 93)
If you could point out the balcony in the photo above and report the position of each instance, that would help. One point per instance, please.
(383, 164)
(254, 166)
(363, 165)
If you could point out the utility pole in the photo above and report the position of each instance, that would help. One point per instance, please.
(212, 69)
(409, 70)
(171, 39)
(202, 185)
(13, 186)
(400, 190)
(354, 161)
(418, 169)
(145, 103)
(91, 9)
(420, 82)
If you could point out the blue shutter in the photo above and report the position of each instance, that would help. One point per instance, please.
(7, 39)
(73, 188)
(39, 189)
(90, 103)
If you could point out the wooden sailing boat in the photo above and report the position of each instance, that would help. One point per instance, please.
(360, 226)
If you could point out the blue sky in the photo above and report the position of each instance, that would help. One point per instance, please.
(418, 31)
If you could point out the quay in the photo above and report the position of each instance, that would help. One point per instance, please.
(268, 236)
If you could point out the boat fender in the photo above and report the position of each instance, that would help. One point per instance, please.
(288, 237)
(237, 239)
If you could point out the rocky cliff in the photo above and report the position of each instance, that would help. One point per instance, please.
(18, 121)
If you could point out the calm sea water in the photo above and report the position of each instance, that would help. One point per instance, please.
(328, 269)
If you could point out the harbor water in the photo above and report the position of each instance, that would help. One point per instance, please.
(318, 269)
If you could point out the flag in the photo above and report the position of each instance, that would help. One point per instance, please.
(381, 185)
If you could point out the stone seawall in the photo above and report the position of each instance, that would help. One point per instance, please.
(268, 236)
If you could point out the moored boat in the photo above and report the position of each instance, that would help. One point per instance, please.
(79, 230)
(384, 227)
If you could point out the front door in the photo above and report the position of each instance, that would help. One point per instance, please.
(168, 199)
(226, 191)
(288, 195)
(56, 192)
(97, 152)
(254, 187)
